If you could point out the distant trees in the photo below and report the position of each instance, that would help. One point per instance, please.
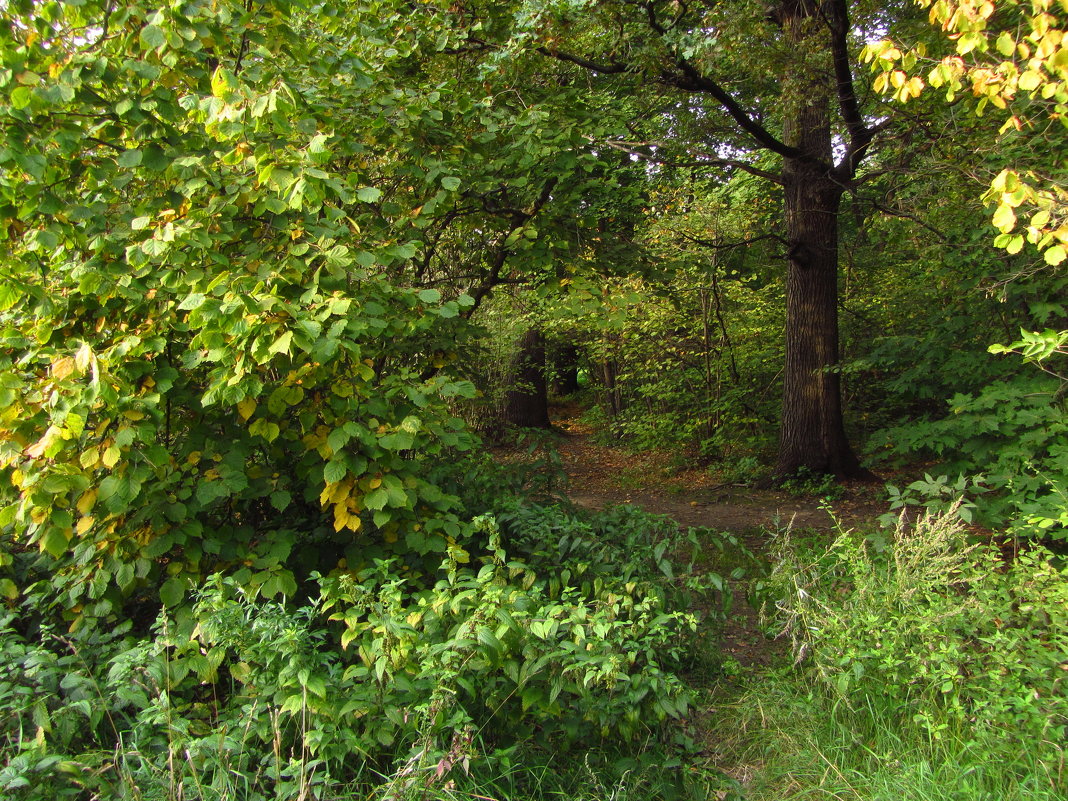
(732, 84)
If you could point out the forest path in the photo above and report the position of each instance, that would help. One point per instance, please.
(602, 475)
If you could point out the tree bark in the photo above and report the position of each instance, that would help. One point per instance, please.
(812, 434)
(565, 370)
(526, 403)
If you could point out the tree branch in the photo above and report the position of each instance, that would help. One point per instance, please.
(706, 160)
(691, 80)
(715, 245)
(519, 219)
(838, 22)
(615, 68)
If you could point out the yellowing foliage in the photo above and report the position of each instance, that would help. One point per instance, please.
(1016, 61)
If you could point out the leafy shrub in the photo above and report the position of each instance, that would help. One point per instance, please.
(534, 471)
(385, 671)
(937, 495)
(805, 483)
(1015, 434)
(954, 633)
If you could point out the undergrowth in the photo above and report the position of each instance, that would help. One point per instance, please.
(544, 639)
(926, 666)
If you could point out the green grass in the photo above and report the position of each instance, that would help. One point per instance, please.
(783, 739)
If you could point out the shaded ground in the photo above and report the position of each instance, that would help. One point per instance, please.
(601, 476)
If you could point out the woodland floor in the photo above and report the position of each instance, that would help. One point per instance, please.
(601, 475)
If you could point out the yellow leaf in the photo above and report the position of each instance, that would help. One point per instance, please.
(1004, 218)
(374, 483)
(1006, 44)
(341, 516)
(61, 368)
(38, 449)
(1055, 255)
(83, 357)
(1030, 80)
(84, 524)
(87, 501)
(111, 456)
(89, 457)
(246, 408)
(341, 491)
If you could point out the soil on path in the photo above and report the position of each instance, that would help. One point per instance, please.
(601, 476)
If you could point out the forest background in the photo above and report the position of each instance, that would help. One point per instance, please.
(276, 273)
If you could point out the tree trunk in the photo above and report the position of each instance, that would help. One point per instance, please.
(565, 370)
(612, 400)
(812, 435)
(526, 404)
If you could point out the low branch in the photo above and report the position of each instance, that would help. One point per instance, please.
(907, 216)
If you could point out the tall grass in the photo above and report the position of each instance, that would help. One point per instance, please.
(926, 667)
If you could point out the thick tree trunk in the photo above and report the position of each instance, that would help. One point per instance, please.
(526, 403)
(812, 435)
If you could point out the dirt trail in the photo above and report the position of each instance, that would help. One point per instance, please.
(602, 476)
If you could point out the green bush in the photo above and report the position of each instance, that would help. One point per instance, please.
(959, 636)
(1012, 436)
(384, 671)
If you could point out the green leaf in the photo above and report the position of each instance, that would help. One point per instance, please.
(9, 296)
(21, 97)
(376, 498)
(192, 301)
(335, 471)
(429, 295)
(54, 541)
(153, 37)
(281, 345)
(130, 158)
(451, 183)
(369, 194)
(173, 591)
(280, 500)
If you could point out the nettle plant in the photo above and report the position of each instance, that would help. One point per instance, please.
(205, 364)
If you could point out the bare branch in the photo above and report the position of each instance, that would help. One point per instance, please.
(691, 80)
